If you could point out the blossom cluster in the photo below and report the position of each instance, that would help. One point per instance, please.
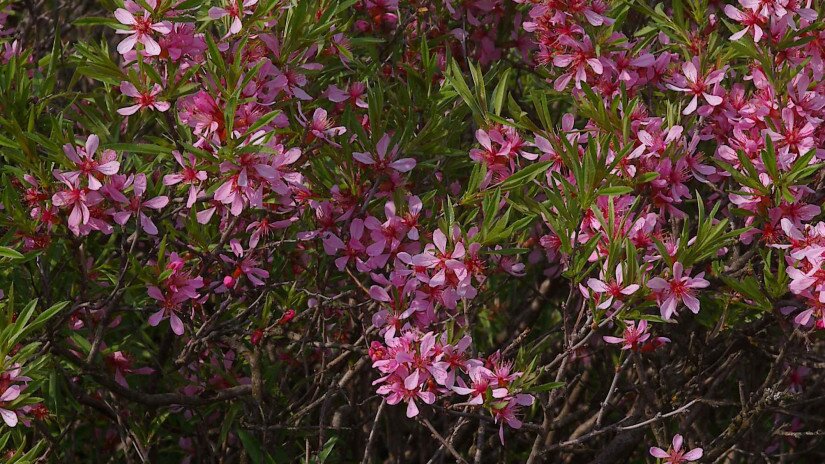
(488, 201)
(424, 367)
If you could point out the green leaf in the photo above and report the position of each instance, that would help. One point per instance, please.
(98, 21)
(6, 252)
(456, 80)
(525, 175)
(769, 158)
(144, 148)
(325, 452)
(500, 92)
(615, 190)
(252, 446)
(546, 387)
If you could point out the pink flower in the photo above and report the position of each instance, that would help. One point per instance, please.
(169, 306)
(79, 199)
(381, 161)
(675, 454)
(144, 99)
(264, 228)
(613, 288)
(354, 93)
(691, 83)
(656, 140)
(406, 388)
(581, 58)
(495, 158)
(679, 289)
(481, 379)
(796, 135)
(183, 41)
(506, 410)
(750, 19)
(203, 113)
(137, 206)
(244, 265)
(235, 10)
(11, 394)
(632, 337)
(122, 365)
(140, 30)
(353, 248)
(189, 175)
(436, 256)
(83, 157)
(321, 126)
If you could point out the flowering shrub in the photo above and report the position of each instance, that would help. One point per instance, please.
(381, 231)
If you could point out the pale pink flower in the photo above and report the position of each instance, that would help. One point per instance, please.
(11, 394)
(632, 337)
(144, 99)
(680, 288)
(408, 389)
(482, 379)
(87, 165)
(321, 126)
(137, 206)
(235, 10)
(614, 289)
(141, 28)
(752, 21)
(79, 199)
(675, 454)
(382, 160)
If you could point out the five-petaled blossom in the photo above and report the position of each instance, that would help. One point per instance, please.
(680, 288)
(137, 206)
(613, 289)
(87, 165)
(382, 160)
(632, 336)
(141, 28)
(692, 83)
(235, 10)
(147, 99)
(675, 454)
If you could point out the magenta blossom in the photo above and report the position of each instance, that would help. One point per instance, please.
(189, 175)
(408, 389)
(506, 412)
(692, 83)
(169, 306)
(753, 21)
